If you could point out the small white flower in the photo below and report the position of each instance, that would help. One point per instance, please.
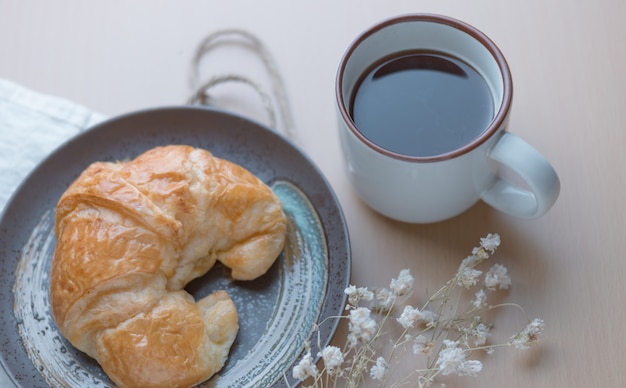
(403, 284)
(480, 299)
(480, 334)
(536, 327)
(362, 326)
(477, 332)
(497, 277)
(470, 368)
(333, 358)
(428, 318)
(529, 335)
(452, 359)
(384, 299)
(491, 242)
(468, 277)
(355, 295)
(305, 368)
(378, 371)
(421, 345)
(409, 316)
(469, 262)
(479, 254)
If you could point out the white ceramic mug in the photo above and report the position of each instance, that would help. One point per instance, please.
(421, 189)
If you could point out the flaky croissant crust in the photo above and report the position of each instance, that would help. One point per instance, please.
(131, 235)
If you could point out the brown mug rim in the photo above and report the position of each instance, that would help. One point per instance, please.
(492, 128)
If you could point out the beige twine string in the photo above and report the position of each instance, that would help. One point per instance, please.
(202, 96)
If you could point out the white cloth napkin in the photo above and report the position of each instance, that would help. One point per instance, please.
(32, 125)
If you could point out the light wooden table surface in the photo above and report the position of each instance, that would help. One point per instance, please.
(568, 60)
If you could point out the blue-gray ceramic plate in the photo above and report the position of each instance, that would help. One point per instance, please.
(278, 313)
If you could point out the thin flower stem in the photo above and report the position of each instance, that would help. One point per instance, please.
(500, 305)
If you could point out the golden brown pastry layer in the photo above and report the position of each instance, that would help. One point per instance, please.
(131, 235)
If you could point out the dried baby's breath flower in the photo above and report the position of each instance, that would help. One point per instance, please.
(384, 300)
(306, 368)
(480, 299)
(468, 277)
(452, 359)
(478, 332)
(527, 337)
(409, 317)
(497, 277)
(470, 262)
(428, 318)
(333, 358)
(421, 345)
(490, 243)
(362, 327)
(470, 368)
(378, 370)
(479, 254)
(356, 294)
(442, 334)
(403, 284)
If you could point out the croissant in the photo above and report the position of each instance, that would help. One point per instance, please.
(131, 235)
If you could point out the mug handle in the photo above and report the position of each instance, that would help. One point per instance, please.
(533, 169)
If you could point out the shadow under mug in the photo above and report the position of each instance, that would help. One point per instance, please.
(422, 189)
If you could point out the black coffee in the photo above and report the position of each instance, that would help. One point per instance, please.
(422, 103)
